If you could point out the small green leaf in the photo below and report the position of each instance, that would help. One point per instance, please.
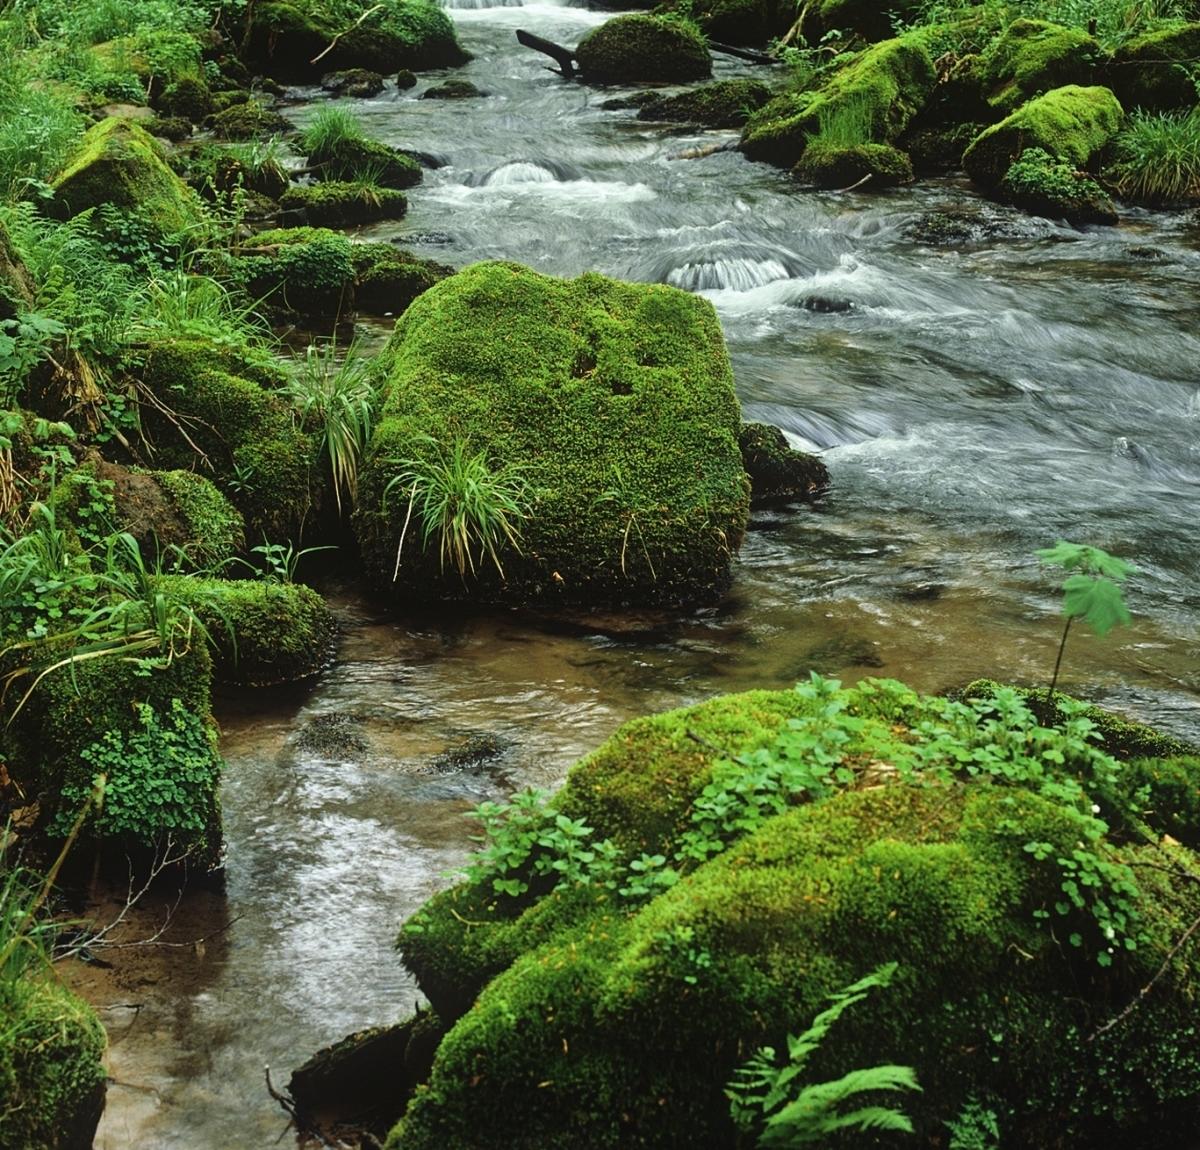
(1097, 601)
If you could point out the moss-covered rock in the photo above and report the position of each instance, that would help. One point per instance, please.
(305, 271)
(610, 1025)
(725, 104)
(261, 633)
(453, 90)
(52, 1079)
(883, 87)
(350, 157)
(338, 203)
(638, 47)
(1045, 186)
(16, 287)
(119, 163)
(833, 166)
(1152, 71)
(188, 98)
(354, 83)
(778, 473)
(615, 403)
(387, 279)
(1070, 123)
(1031, 57)
(285, 36)
(247, 435)
(731, 21)
(247, 121)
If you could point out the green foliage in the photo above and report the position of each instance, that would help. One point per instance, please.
(976, 1127)
(466, 508)
(774, 1101)
(161, 778)
(1045, 185)
(844, 125)
(178, 304)
(1157, 158)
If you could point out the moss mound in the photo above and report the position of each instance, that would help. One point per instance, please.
(1045, 186)
(247, 121)
(337, 203)
(882, 87)
(243, 432)
(736, 21)
(614, 403)
(725, 104)
(262, 633)
(635, 48)
(51, 1077)
(1071, 124)
(309, 271)
(833, 166)
(120, 164)
(387, 279)
(1152, 71)
(1031, 57)
(348, 157)
(607, 1023)
(285, 36)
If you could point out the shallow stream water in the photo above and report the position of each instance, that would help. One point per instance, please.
(973, 403)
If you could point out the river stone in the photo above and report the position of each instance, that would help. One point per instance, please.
(778, 473)
(614, 405)
(638, 48)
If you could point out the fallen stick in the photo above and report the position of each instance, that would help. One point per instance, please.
(333, 43)
(564, 56)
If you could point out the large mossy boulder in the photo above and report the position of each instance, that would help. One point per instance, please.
(881, 89)
(1155, 70)
(1071, 124)
(120, 164)
(610, 1019)
(638, 48)
(609, 405)
(285, 37)
(835, 166)
(262, 633)
(221, 413)
(1033, 56)
(52, 1080)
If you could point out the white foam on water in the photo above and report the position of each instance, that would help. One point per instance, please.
(737, 274)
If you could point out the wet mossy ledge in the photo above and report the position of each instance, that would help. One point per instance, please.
(604, 412)
(612, 1011)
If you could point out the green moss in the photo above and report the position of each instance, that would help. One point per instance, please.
(215, 529)
(351, 157)
(16, 287)
(387, 279)
(1172, 794)
(621, 1031)
(258, 456)
(338, 204)
(247, 121)
(1070, 123)
(52, 1079)
(1154, 71)
(1031, 57)
(616, 402)
(778, 473)
(188, 98)
(834, 166)
(306, 270)
(453, 90)
(885, 86)
(725, 104)
(1045, 186)
(284, 37)
(637, 47)
(120, 164)
(262, 633)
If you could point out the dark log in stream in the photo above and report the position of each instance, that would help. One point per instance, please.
(564, 56)
(743, 53)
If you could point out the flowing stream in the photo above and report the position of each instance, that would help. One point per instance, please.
(972, 402)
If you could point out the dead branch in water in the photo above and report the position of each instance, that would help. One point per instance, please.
(333, 43)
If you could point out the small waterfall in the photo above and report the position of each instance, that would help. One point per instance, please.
(519, 172)
(729, 274)
(478, 4)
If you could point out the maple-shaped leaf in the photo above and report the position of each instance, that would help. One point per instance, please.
(1096, 600)
(1080, 557)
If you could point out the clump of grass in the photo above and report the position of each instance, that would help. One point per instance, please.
(1158, 158)
(335, 396)
(331, 127)
(467, 509)
(844, 125)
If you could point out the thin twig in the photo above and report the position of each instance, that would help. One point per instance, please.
(851, 188)
(333, 43)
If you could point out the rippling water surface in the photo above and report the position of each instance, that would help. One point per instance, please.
(973, 403)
